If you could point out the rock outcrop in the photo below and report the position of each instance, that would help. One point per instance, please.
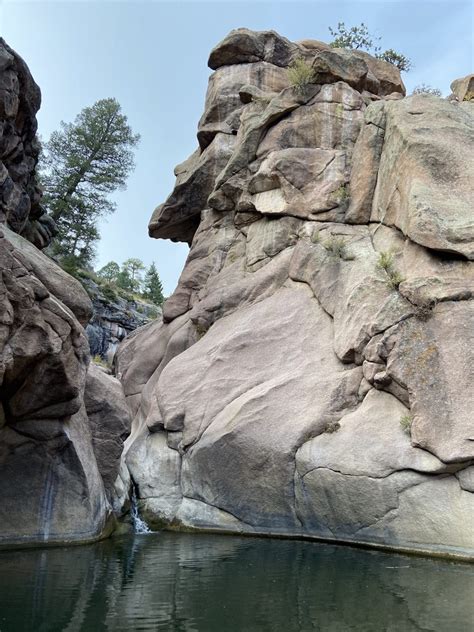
(113, 318)
(20, 196)
(61, 427)
(313, 371)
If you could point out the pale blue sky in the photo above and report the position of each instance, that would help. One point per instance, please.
(152, 56)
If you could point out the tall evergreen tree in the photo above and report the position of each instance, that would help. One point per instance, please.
(83, 163)
(153, 288)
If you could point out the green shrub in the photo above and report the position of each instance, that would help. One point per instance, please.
(300, 74)
(406, 422)
(109, 292)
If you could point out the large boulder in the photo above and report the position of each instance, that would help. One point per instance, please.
(463, 88)
(50, 486)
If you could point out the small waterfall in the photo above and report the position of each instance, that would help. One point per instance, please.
(47, 502)
(139, 525)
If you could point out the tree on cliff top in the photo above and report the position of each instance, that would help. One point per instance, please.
(359, 38)
(130, 276)
(153, 288)
(83, 163)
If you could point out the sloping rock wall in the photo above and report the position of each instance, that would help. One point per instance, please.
(313, 371)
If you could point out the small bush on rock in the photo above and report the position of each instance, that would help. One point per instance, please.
(300, 74)
(336, 246)
(405, 423)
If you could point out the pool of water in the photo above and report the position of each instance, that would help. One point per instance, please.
(211, 583)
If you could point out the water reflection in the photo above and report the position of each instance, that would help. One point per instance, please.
(216, 583)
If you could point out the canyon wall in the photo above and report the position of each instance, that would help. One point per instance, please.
(62, 421)
(313, 371)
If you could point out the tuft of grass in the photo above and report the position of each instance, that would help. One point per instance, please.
(300, 74)
(386, 263)
(315, 237)
(406, 422)
(394, 280)
(336, 246)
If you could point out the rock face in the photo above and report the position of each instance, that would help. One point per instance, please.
(113, 318)
(60, 436)
(313, 371)
(20, 196)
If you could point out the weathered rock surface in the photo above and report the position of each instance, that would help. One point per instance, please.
(56, 462)
(427, 150)
(20, 196)
(113, 318)
(313, 371)
(109, 420)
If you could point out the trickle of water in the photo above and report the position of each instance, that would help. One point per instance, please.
(139, 525)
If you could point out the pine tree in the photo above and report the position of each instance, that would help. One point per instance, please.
(153, 288)
(83, 163)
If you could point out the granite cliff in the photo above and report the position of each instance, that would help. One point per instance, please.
(312, 374)
(62, 420)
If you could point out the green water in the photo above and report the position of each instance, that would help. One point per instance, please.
(190, 583)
